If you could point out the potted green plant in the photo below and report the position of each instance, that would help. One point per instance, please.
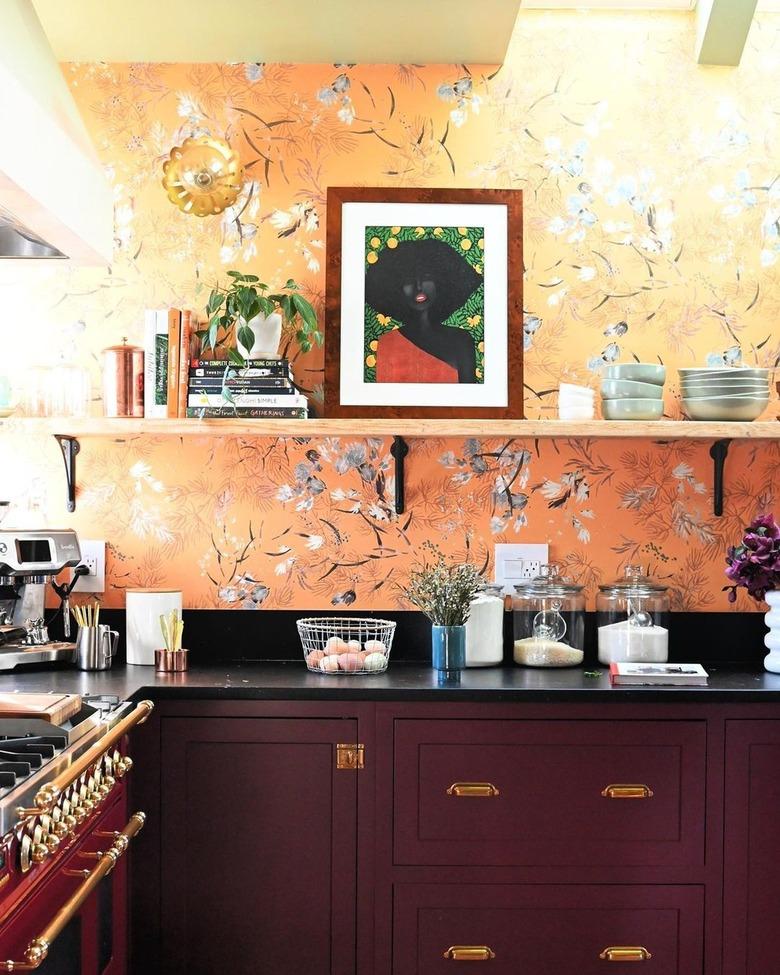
(248, 321)
(444, 591)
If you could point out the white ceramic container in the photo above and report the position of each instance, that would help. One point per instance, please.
(144, 609)
(772, 638)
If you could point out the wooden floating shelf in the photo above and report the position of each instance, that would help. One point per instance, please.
(68, 431)
(119, 429)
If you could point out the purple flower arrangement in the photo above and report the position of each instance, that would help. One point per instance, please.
(755, 563)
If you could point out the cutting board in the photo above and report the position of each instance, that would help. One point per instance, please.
(56, 708)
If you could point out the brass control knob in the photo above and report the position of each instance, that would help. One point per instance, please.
(51, 841)
(39, 852)
(128, 763)
(109, 782)
(61, 828)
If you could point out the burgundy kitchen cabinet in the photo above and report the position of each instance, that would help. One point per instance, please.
(546, 930)
(258, 835)
(260, 856)
(751, 906)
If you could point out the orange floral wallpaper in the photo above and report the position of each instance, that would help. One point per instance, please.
(652, 204)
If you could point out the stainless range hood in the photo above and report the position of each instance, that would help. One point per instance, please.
(17, 241)
(55, 202)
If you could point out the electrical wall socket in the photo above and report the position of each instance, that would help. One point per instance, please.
(514, 563)
(93, 555)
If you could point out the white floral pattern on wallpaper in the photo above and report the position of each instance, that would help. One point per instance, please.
(651, 208)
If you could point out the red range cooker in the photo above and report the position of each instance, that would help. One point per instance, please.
(65, 830)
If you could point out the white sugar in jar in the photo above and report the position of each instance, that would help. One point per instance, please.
(485, 628)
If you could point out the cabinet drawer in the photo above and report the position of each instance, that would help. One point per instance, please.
(547, 930)
(546, 806)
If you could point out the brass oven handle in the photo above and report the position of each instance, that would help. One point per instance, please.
(47, 796)
(627, 792)
(625, 954)
(38, 948)
(469, 953)
(473, 789)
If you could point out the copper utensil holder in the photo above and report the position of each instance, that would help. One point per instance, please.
(171, 661)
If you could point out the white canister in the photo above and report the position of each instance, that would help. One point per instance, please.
(144, 608)
(485, 628)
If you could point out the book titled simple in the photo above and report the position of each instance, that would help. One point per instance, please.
(622, 674)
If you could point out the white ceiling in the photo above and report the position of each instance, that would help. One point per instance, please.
(299, 31)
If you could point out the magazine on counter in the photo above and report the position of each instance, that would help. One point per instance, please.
(685, 674)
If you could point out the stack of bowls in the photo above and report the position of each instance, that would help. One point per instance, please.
(633, 391)
(739, 393)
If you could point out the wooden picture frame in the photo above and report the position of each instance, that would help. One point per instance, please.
(351, 365)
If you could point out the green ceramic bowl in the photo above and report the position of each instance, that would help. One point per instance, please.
(632, 409)
(746, 387)
(725, 407)
(640, 372)
(626, 389)
(743, 372)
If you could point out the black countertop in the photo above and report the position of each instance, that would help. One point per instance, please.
(402, 682)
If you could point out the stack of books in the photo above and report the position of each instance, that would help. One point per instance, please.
(262, 389)
(179, 382)
(168, 342)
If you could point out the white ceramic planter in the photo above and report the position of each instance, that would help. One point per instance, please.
(772, 638)
(268, 334)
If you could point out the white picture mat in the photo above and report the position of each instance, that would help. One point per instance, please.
(355, 217)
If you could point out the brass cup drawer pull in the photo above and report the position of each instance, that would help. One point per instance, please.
(37, 950)
(473, 790)
(469, 953)
(620, 791)
(625, 953)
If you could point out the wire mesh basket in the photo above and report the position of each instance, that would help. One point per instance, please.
(346, 644)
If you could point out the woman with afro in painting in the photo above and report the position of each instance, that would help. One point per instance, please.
(420, 283)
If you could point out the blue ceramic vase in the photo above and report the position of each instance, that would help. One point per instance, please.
(448, 645)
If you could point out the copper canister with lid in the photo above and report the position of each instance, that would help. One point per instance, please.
(123, 380)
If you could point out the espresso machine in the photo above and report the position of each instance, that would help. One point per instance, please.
(29, 562)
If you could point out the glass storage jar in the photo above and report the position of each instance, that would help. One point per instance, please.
(632, 616)
(548, 621)
(485, 628)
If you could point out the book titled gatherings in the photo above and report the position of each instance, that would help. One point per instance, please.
(681, 674)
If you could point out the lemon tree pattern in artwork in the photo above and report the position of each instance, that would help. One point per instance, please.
(469, 243)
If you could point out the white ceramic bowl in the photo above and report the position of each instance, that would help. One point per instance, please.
(632, 409)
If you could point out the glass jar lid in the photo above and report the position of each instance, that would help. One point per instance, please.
(633, 583)
(548, 583)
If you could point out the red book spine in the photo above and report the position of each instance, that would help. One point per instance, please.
(174, 340)
(184, 361)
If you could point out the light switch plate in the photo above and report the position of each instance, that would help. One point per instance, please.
(93, 555)
(514, 563)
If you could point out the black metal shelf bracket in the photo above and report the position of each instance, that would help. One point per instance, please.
(718, 451)
(69, 447)
(399, 450)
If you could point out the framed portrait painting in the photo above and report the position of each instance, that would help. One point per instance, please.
(424, 303)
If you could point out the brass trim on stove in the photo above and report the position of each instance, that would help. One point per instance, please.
(37, 950)
(46, 798)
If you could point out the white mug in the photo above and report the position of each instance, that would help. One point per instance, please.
(144, 609)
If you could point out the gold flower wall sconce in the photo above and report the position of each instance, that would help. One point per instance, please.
(203, 176)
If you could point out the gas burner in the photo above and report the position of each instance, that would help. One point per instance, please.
(20, 756)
